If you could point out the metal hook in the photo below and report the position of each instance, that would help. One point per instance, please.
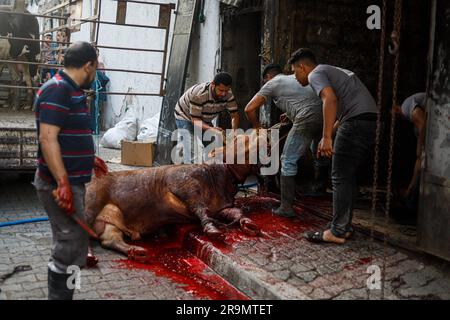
(394, 43)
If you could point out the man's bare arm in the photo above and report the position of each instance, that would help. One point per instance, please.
(199, 123)
(48, 138)
(329, 119)
(51, 151)
(235, 120)
(419, 120)
(252, 108)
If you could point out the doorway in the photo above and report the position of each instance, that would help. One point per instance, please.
(241, 48)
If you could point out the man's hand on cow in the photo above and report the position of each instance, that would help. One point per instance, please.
(218, 129)
(284, 118)
(325, 148)
(100, 167)
(63, 195)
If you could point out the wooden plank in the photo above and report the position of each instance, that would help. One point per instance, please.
(176, 76)
(59, 6)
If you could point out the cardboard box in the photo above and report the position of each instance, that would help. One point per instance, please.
(136, 153)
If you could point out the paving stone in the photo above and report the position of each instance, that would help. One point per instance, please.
(315, 271)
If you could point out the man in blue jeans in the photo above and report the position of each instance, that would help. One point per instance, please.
(303, 107)
(350, 110)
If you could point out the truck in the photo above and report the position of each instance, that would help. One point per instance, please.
(18, 140)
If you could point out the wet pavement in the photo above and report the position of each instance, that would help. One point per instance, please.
(184, 264)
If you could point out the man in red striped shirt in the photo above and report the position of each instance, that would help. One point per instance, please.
(66, 158)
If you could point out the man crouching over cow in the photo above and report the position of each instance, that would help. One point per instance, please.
(66, 159)
(199, 106)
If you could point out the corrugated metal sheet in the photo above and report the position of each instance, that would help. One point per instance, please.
(434, 217)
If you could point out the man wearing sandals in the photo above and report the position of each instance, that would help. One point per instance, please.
(346, 101)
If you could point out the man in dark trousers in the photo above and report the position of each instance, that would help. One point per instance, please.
(302, 106)
(349, 108)
(66, 158)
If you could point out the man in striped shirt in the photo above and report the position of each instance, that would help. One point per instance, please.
(203, 103)
(66, 158)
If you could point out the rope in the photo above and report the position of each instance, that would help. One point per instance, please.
(378, 131)
(397, 29)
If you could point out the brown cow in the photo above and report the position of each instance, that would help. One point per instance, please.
(135, 203)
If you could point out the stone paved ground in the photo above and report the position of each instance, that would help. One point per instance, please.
(277, 265)
(30, 244)
(291, 268)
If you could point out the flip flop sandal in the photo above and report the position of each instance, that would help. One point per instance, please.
(315, 237)
(348, 235)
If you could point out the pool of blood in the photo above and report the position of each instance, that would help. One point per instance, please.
(170, 251)
(168, 258)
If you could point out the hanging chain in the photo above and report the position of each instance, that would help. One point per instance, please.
(378, 131)
(397, 29)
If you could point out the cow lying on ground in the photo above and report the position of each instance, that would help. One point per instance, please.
(136, 203)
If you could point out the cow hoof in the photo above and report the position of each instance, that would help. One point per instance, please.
(213, 233)
(138, 254)
(249, 227)
(91, 260)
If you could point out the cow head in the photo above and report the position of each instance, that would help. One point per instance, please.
(236, 149)
(256, 149)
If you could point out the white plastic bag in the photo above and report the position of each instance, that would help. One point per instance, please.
(149, 129)
(126, 129)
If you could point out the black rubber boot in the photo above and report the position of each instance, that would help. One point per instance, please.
(288, 186)
(320, 182)
(57, 286)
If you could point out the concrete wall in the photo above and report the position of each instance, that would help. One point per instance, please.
(206, 46)
(123, 36)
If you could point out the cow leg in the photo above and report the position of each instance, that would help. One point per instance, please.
(2, 66)
(202, 214)
(208, 224)
(111, 237)
(14, 93)
(27, 79)
(235, 215)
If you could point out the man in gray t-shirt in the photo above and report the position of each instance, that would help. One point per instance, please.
(353, 97)
(302, 106)
(347, 102)
(408, 107)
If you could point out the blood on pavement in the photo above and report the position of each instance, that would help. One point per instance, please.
(170, 254)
